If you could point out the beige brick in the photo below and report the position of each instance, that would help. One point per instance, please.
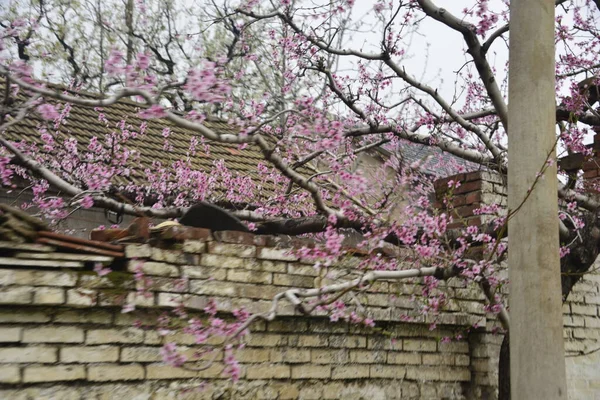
(290, 356)
(169, 299)
(172, 256)
(301, 269)
(237, 275)
(81, 297)
(419, 345)
(63, 334)
(24, 316)
(455, 375)
(137, 251)
(272, 371)
(266, 340)
(16, 294)
(216, 371)
(350, 372)
(454, 347)
(462, 360)
(422, 373)
(141, 354)
(200, 272)
(161, 284)
(89, 354)
(219, 261)
(293, 280)
(235, 250)
(162, 371)
(49, 295)
(267, 253)
(348, 341)
(30, 354)
(387, 371)
(53, 373)
(326, 356)
(102, 336)
(367, 356)
(10, 335)
(247, 355)
(9, 374)
(438, 359)
(288, 392)
(267, 265)
(37, 278)
(194, 246)
(115, 372)
(404, 358)
(84, 317)
(311, 371)
(154, 268)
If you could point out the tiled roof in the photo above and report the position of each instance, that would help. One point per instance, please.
(83, 123)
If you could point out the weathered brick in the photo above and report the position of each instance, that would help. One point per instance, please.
(137, 251)
(387, 371)
(267, 253)
(309, 341)
(266, 340)
(141, 354)
(37, 278)
(162, 371)
(24, 316)
(10, 335)
(419, 345)
(89, 354)
(30, 354)
(454, 347)
(367, 356)
(200, 272)
(327, 356)
(172, 256)
(455, 375)
(219, 261)
(9, 374)
(169, 299)
(84, 317)
(53, 373)
(103, 336)
(235, 250)
(81, 297)
(66, 334)
(115, 372)
(161, 284)
(404, 358)
(194, 246)
(237, 275)
(290, 355)
(154, 268)
(422, 373)
(302, 269)
(348, 341)
(49, 295)
(248, 355)
(293, 280)
(350, 372)
(273, 371)
(16, 294)
(311, 371)
(438, 359)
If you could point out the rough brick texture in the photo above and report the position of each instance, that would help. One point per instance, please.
(62, 334)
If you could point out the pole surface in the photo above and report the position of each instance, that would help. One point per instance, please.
(537, 364)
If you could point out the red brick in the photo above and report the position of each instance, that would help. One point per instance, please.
(468, 187)
(473, 197)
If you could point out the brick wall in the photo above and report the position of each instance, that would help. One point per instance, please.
(63, 336)
(581, 311)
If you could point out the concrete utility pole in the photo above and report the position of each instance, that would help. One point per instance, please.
(537, 363)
